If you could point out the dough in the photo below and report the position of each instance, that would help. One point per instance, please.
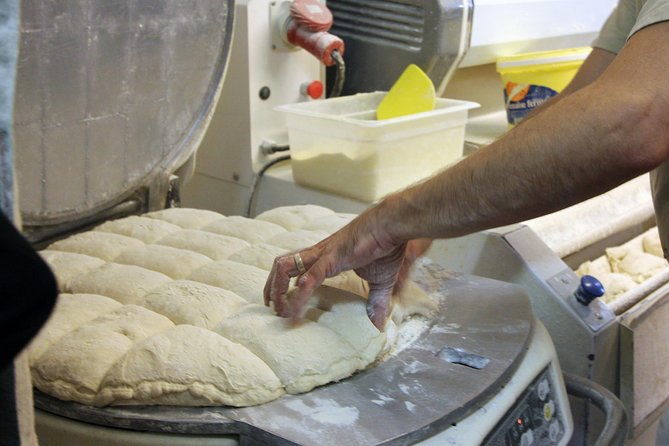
(294, 217)
(189, 366)
(651, 242)
(245, 280)
(596, 268)
(637, 264)
(125, 283)
(411, 300)
(253, 231)
(297, 239)
(186, 217)
(303, 357)
(214, 246)
(193, 303)
(615, 284)
(73, 367)
(104, 245)
(145, 229)
(261, 255)
(67, 265)
(329, 223)
(173, 262)
(71, 312)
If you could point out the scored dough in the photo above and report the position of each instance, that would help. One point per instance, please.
(294, 217)
(67, 265)
(296, 354)
(189, 366)
(125, 283)
(193, 303)
(73, 367)
(214, 246)
(104, 245)
(253, 231)
(186, 217)
(244, 280)
(71, 312)
(145, 229)
(173, 262)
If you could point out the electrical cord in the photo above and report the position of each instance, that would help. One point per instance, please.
(256, 181)
(338, 85)
(614, 432)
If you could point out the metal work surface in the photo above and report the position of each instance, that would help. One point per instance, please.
(416, 393)
(111, 96)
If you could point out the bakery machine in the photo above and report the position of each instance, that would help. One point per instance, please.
(112, 103)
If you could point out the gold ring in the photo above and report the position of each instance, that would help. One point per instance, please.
(299, 264)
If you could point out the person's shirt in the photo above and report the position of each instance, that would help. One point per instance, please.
(627, 18)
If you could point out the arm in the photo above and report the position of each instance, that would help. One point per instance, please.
(589, 141)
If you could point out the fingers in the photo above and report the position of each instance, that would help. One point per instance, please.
(378, 305)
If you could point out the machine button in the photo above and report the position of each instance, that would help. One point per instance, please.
(312, 89)
(589, 289)
(527, 438)
(549, 410)
(543, 389)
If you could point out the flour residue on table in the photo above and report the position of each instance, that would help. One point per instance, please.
(325, 411)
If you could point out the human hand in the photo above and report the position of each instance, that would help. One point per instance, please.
(363, 245)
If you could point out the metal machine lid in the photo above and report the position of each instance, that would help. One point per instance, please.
(471, 350)
(110, 96)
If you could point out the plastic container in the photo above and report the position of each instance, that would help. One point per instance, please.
(532, 78)
(337, 144)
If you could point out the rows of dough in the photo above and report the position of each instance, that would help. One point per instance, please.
(167, 308)
(622, 268)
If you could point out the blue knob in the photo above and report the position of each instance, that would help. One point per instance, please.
(589, 290)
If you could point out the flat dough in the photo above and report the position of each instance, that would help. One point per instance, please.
(193, 303)
(297, 239)
(214, 246)
(253, 231)
(71, 312)
(296, 354)
(186, 217)
(67, 265)
(294, 217)
(261, 255)
(244, 280)
(145, 229)
(124, 283)
(104, 245)
(173, 262)
(189, 366)
(73, 367)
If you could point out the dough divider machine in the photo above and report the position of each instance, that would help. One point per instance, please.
(113, 100)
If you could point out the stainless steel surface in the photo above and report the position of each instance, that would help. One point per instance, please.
(112, 97)
(393, 34)
(411, 396)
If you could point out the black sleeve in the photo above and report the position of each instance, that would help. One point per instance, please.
(28, 291)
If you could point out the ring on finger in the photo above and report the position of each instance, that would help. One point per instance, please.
(299, 263)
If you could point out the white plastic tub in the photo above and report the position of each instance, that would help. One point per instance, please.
(338, 145)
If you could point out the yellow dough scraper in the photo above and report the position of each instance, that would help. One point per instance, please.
(412, 92)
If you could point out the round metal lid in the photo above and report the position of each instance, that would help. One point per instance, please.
(110, 95)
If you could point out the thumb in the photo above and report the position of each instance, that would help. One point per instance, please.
(378, 305)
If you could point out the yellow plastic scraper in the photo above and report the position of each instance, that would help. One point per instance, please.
(413, 92)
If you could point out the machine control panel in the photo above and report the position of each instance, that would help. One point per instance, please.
(534, 420)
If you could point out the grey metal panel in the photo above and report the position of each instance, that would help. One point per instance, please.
(112, 95)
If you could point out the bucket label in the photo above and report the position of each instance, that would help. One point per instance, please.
(520, 99)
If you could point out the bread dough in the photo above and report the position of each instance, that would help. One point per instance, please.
(73, 367)
(635, 263)
(615, 284)
(651, 242)
(145, 229)
(297, 239)
(411, 300)
(253, 231)
(173, 262)
(261, 255)
(329, 223)
(596, 268)
(296, 354)
(104, 245)
(214, 246)
(294, 217)
(189, 366)
(67, 265)
(193, 303)
(71, 312)
(245, 280)
(186, 217)
(125, 283)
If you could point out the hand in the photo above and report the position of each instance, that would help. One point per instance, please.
(362, 245)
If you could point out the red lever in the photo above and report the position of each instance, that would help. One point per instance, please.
(310, 21)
